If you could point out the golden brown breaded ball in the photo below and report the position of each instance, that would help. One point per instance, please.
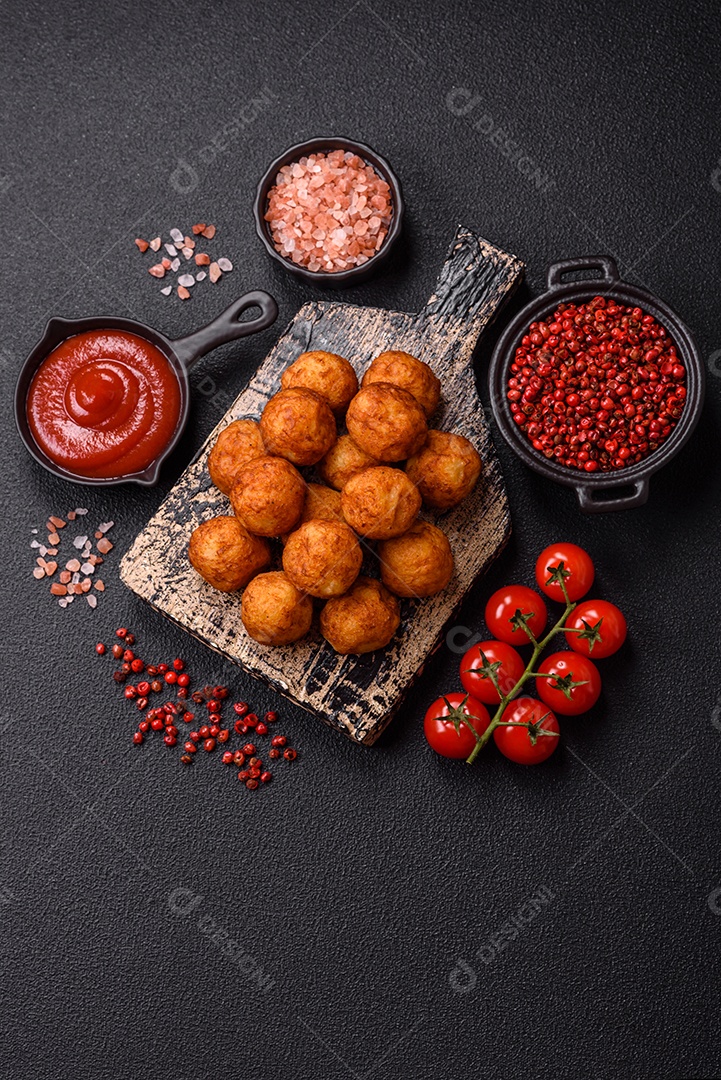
(380, 502)
(445, 470)
(268, 496)
(236, 445)
(386, 422)
(273, 611)
(225, 554)
(323, 558)
(402, 369)
(330, 375)
(298, 424)
(344, 460)
(419, 563)
(321, 504)
(363, 620)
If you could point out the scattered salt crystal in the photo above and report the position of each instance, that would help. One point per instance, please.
(167, 290)
(175, 265)
(80, 510)
(187, 252)
(171, 249)
(201, 276)
(105, 526)
(80, 542)
(92, 600)
(87, 568)
(187, 280)
(34, 543)
(34, 532)
(177, 235)
(225, 265)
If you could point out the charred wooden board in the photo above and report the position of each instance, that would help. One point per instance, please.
(356, 695)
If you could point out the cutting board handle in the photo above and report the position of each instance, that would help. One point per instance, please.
(476, 278)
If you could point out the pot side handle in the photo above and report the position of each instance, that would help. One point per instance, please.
(593, 501)
(227, 327)
(607, 266)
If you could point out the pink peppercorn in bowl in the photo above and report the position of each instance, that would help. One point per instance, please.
(380, 203)
(664, 383)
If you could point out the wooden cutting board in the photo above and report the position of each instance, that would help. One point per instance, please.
(356, 695)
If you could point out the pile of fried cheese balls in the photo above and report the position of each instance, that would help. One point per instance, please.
(375, 479)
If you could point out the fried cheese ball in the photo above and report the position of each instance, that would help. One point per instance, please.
(445, 470)
(268, 496)
(402, 369)
(380, 502)
(343, 461)
(298, 424)
(363, 620)
(386, 422)
(323, 558)
(330, 375)
(225, 554)
(419, 563)
(236, 445)
(321, 504)
(273, 611)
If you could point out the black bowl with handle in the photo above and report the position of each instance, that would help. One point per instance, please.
(622, 488)
(181, 354)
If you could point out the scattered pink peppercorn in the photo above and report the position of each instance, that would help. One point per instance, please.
(290, 754)
(100, 649)
(138, 738)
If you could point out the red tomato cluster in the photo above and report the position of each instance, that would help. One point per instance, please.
(568, 683)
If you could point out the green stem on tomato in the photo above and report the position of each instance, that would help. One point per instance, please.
(529, 673)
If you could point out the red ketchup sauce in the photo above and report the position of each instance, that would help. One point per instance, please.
(104, 404)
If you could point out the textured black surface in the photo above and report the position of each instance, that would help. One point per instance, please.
(361, 878)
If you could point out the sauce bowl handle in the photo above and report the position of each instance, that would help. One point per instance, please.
(227, 327)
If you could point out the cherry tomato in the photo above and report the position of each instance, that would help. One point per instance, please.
(504, 604)
(602, 626)
(525, 743)
(569, 668)
(507, 675)
(577, 564)
(440, 730)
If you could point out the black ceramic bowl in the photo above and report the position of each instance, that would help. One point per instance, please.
(622, 488)
(318, 277)
(182, 354)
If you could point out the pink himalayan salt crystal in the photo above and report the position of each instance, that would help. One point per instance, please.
(329, 212)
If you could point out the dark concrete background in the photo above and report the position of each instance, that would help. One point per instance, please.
(369, 885)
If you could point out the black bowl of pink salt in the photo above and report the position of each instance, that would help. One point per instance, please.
(597, 384)
(329, 211)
